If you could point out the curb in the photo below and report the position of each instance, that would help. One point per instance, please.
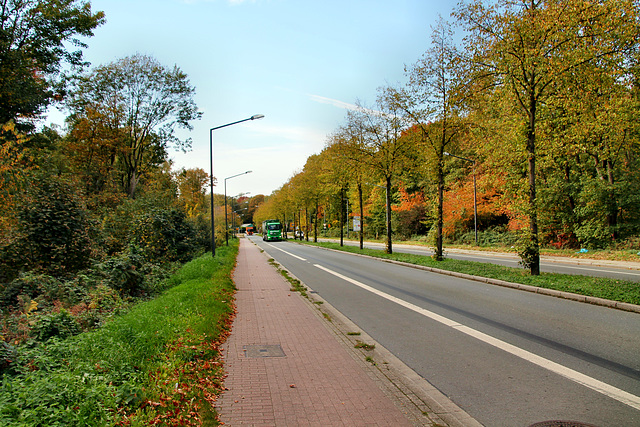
(528, 288)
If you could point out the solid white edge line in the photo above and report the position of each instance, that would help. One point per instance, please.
(592, 383)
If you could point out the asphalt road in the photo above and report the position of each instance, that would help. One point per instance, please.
(617, 270)
(507, 357)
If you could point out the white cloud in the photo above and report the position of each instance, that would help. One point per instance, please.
(344, 105)
(334, 102)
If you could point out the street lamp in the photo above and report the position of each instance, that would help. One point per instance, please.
(226, 231)
(475, 202)
(213, 228)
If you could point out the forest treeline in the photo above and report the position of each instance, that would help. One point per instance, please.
(535, 111)
(93, 218)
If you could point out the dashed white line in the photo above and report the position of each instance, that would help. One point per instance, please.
(288, 253)
(592, 383)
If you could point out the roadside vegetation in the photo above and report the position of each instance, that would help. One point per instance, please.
(101, 321)
(616, 290)
(155, 364)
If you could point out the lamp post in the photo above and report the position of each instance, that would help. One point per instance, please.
(226, 227)
(213, 228)
(475, 203)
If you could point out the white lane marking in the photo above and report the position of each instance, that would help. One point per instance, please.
(592, 383)
(613, 269)
(599, 270)
(288, 253)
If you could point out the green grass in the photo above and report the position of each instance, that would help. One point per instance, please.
(612, 289)
(157, 362)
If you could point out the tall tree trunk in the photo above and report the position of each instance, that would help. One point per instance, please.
(533, 251)
(342, 216)
(612, 214)
(315, 224)
(439, 256)
(389, 248)
(306, 223)
(361, 216)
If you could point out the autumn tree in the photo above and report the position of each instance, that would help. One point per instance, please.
(37, 41)
(314, 189)
(35, 37)
(593, 134)
(192, 187)
(383, 148)
(430, 102)
(349, 144)
(529, 46)
(141, 103)
(337, 178)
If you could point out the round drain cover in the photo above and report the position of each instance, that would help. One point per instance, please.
(557, 423)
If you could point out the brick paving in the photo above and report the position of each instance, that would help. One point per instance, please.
(316, 383)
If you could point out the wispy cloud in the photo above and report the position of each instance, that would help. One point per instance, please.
(344, 105)
(334, 102)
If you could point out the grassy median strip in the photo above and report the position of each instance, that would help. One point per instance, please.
(616, 290)
(158, 364)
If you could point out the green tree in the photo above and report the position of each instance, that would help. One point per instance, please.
(142, 103)
(349, 144)
(54, 227)
(384, 149)
(431, 102)
(34, 39)
(529, 46)
(594, 131)
(164, 234)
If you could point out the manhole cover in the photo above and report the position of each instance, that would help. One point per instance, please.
(263, 351)
(556, 423)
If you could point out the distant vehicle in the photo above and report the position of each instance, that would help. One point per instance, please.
(300, 234)
(271, 230)
(249, 229)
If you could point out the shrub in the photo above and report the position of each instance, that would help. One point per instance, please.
(61, 325)
(28, 284)
(125, 273)
(8, 356)
(54, 227)
(594, 234)
(165, 234)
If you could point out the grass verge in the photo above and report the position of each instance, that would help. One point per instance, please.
(156, 365)
(616, 290)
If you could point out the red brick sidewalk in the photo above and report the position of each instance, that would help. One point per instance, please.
(315, 383)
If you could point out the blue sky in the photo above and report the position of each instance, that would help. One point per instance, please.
(301, 63)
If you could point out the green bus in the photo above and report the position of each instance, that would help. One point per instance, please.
(271, 230)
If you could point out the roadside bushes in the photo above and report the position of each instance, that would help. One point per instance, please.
(61, 324)
(157, 364)
(54, 227)
(39, 306)
(164, 234)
